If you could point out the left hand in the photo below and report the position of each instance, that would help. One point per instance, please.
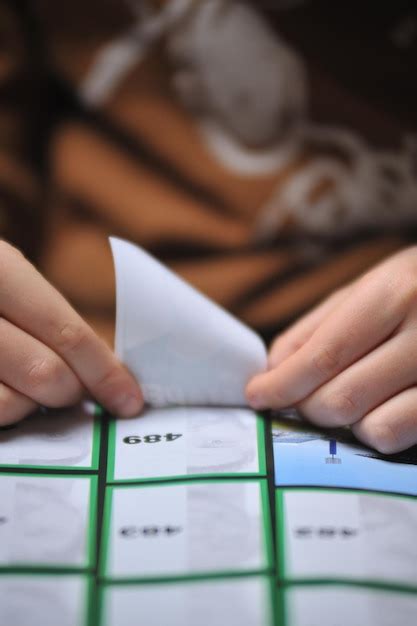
(353, 360)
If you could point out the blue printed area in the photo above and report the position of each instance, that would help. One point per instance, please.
(307, 458)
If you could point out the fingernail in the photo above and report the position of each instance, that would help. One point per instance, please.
(255, 401)
(127, 405)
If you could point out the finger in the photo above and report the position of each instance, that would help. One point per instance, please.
(356, 326)
(296, 336)
(32, 304)
(13, 406)
(391, 427)
(366, 384)
(34, 370)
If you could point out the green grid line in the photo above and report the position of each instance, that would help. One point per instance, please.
(92, 518)
(106, 585)
(260, 432)
(111, 452)
(95, 454)
(284, 613)
(267, 525)
(280, 523)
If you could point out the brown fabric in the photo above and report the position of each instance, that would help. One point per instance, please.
(314, 284)
(138, 168)
(134, 200)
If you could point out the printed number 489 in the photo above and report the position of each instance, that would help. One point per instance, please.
(151, 438)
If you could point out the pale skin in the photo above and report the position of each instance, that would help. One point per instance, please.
(352, 361)
(48, 354)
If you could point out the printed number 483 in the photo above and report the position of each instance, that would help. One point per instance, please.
(151, 438)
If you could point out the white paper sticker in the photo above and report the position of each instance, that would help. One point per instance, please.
(61, 438)
(181, 529)
(43, 600)
(44, 521)
(330, 605)
(182, 347)
(182, 441)
(228, 602)
(350, 535)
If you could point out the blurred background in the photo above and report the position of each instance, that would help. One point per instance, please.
(265, 150)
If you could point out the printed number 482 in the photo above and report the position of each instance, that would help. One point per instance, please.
(151, 438)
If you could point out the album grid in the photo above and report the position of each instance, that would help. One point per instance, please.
(175, 517)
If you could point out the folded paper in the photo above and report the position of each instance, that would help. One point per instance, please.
(183, 348)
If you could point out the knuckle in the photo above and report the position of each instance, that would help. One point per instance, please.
(326, 361)
(399, 274)
(51, 383)
(45, 372)
(331, 409)
(384, 439)
(340, 408)
(71, 336)
(296, 344)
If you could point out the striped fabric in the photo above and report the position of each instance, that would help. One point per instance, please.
(140, 166)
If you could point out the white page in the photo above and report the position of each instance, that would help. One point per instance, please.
(177, 441)
(350, 535)
(228, 602)
(44, 520)
(63, 437)
(329, 605)
(42, 600)
(182, 347)
(181, 529)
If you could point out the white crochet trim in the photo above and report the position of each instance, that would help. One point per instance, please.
(361, 195)
(237, 158)
(118, 57)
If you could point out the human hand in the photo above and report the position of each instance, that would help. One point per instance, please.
(353, 360)
(48, 355)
